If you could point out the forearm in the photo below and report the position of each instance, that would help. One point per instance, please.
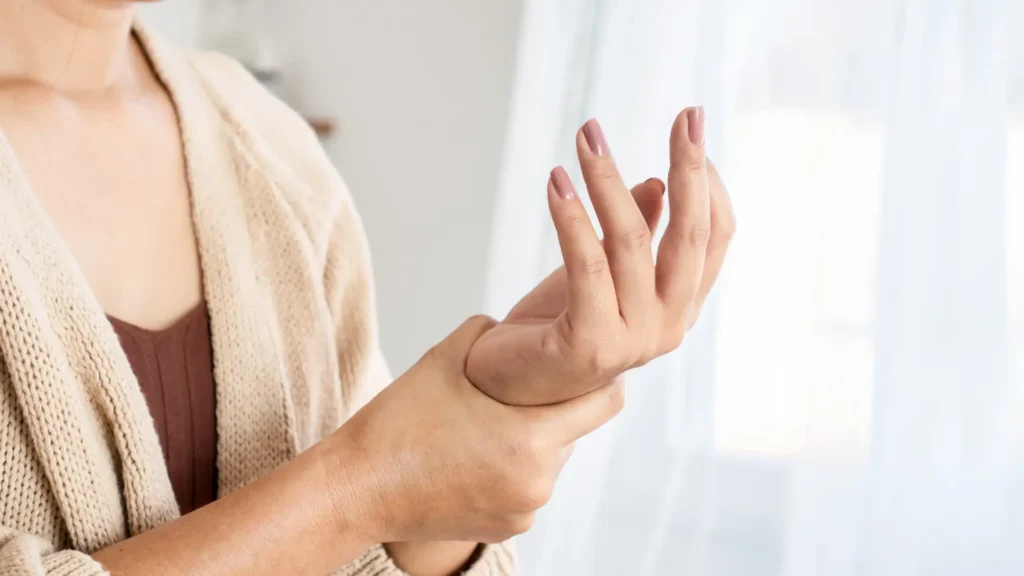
(289, 522)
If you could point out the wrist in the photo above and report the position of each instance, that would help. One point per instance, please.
(355, 498)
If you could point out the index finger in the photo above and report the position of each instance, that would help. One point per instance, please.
(573, 419)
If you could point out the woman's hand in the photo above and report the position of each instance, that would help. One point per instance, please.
(445, 462)
(430, 458)
(548, 299)
(620, 308)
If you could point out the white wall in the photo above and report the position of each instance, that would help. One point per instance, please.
(175, 19)
(421, 91)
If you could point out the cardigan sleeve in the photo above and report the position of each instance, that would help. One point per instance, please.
(28, 555)
(493, 560)
(349, 287)
(336, 232)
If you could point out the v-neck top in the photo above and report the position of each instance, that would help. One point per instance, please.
(288, 284)
(174, 367)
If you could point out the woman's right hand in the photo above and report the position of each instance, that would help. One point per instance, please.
(446, 462)
(430, 458)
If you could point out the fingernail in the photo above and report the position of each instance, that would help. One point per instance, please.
(595, 138)
(661, 185)
(563, 186)
(695, 124)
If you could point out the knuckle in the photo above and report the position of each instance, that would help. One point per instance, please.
(648, 348)
(695, 163)
(583, 347)
(520, 523)
(673, 237)
(606, 361)
(591, 355)
(653, 351)
(638, 356)
(698, 233)
(594, 264)
(649, 351)
(553, 341)
(596, 359)
(676, 335)
(535, 495)
(578, 220)
(604, 171)
(634, 239)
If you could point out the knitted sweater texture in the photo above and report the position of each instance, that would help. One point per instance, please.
(288, 284)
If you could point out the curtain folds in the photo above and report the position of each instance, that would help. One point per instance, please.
(852, 400)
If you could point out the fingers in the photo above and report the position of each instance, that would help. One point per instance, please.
(723, 226)
(591, 292)
(681, 253)
(573, 419)
(547, 300)
(627, 237)
(649, 198)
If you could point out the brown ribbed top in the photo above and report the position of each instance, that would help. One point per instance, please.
(174, 367)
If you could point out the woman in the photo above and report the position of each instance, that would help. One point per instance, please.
(187, 337)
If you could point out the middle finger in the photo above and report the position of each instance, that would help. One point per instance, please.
(627, 237)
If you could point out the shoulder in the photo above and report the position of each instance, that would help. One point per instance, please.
(278, 141)
(254, 110)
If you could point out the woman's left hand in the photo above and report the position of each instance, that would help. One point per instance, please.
(613, 307)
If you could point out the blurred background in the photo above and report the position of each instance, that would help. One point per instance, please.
(851, 401)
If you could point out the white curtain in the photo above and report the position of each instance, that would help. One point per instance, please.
(852, 400)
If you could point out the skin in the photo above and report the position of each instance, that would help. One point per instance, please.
(75, 104)
(76, 93)
(375, 481)
(612, 307)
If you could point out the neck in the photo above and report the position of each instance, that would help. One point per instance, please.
(73, 46)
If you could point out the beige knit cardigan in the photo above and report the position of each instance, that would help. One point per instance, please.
(288, 285)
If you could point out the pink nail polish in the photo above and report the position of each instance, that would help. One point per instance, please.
(695, 125)
(595, 138)
(563, 186)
